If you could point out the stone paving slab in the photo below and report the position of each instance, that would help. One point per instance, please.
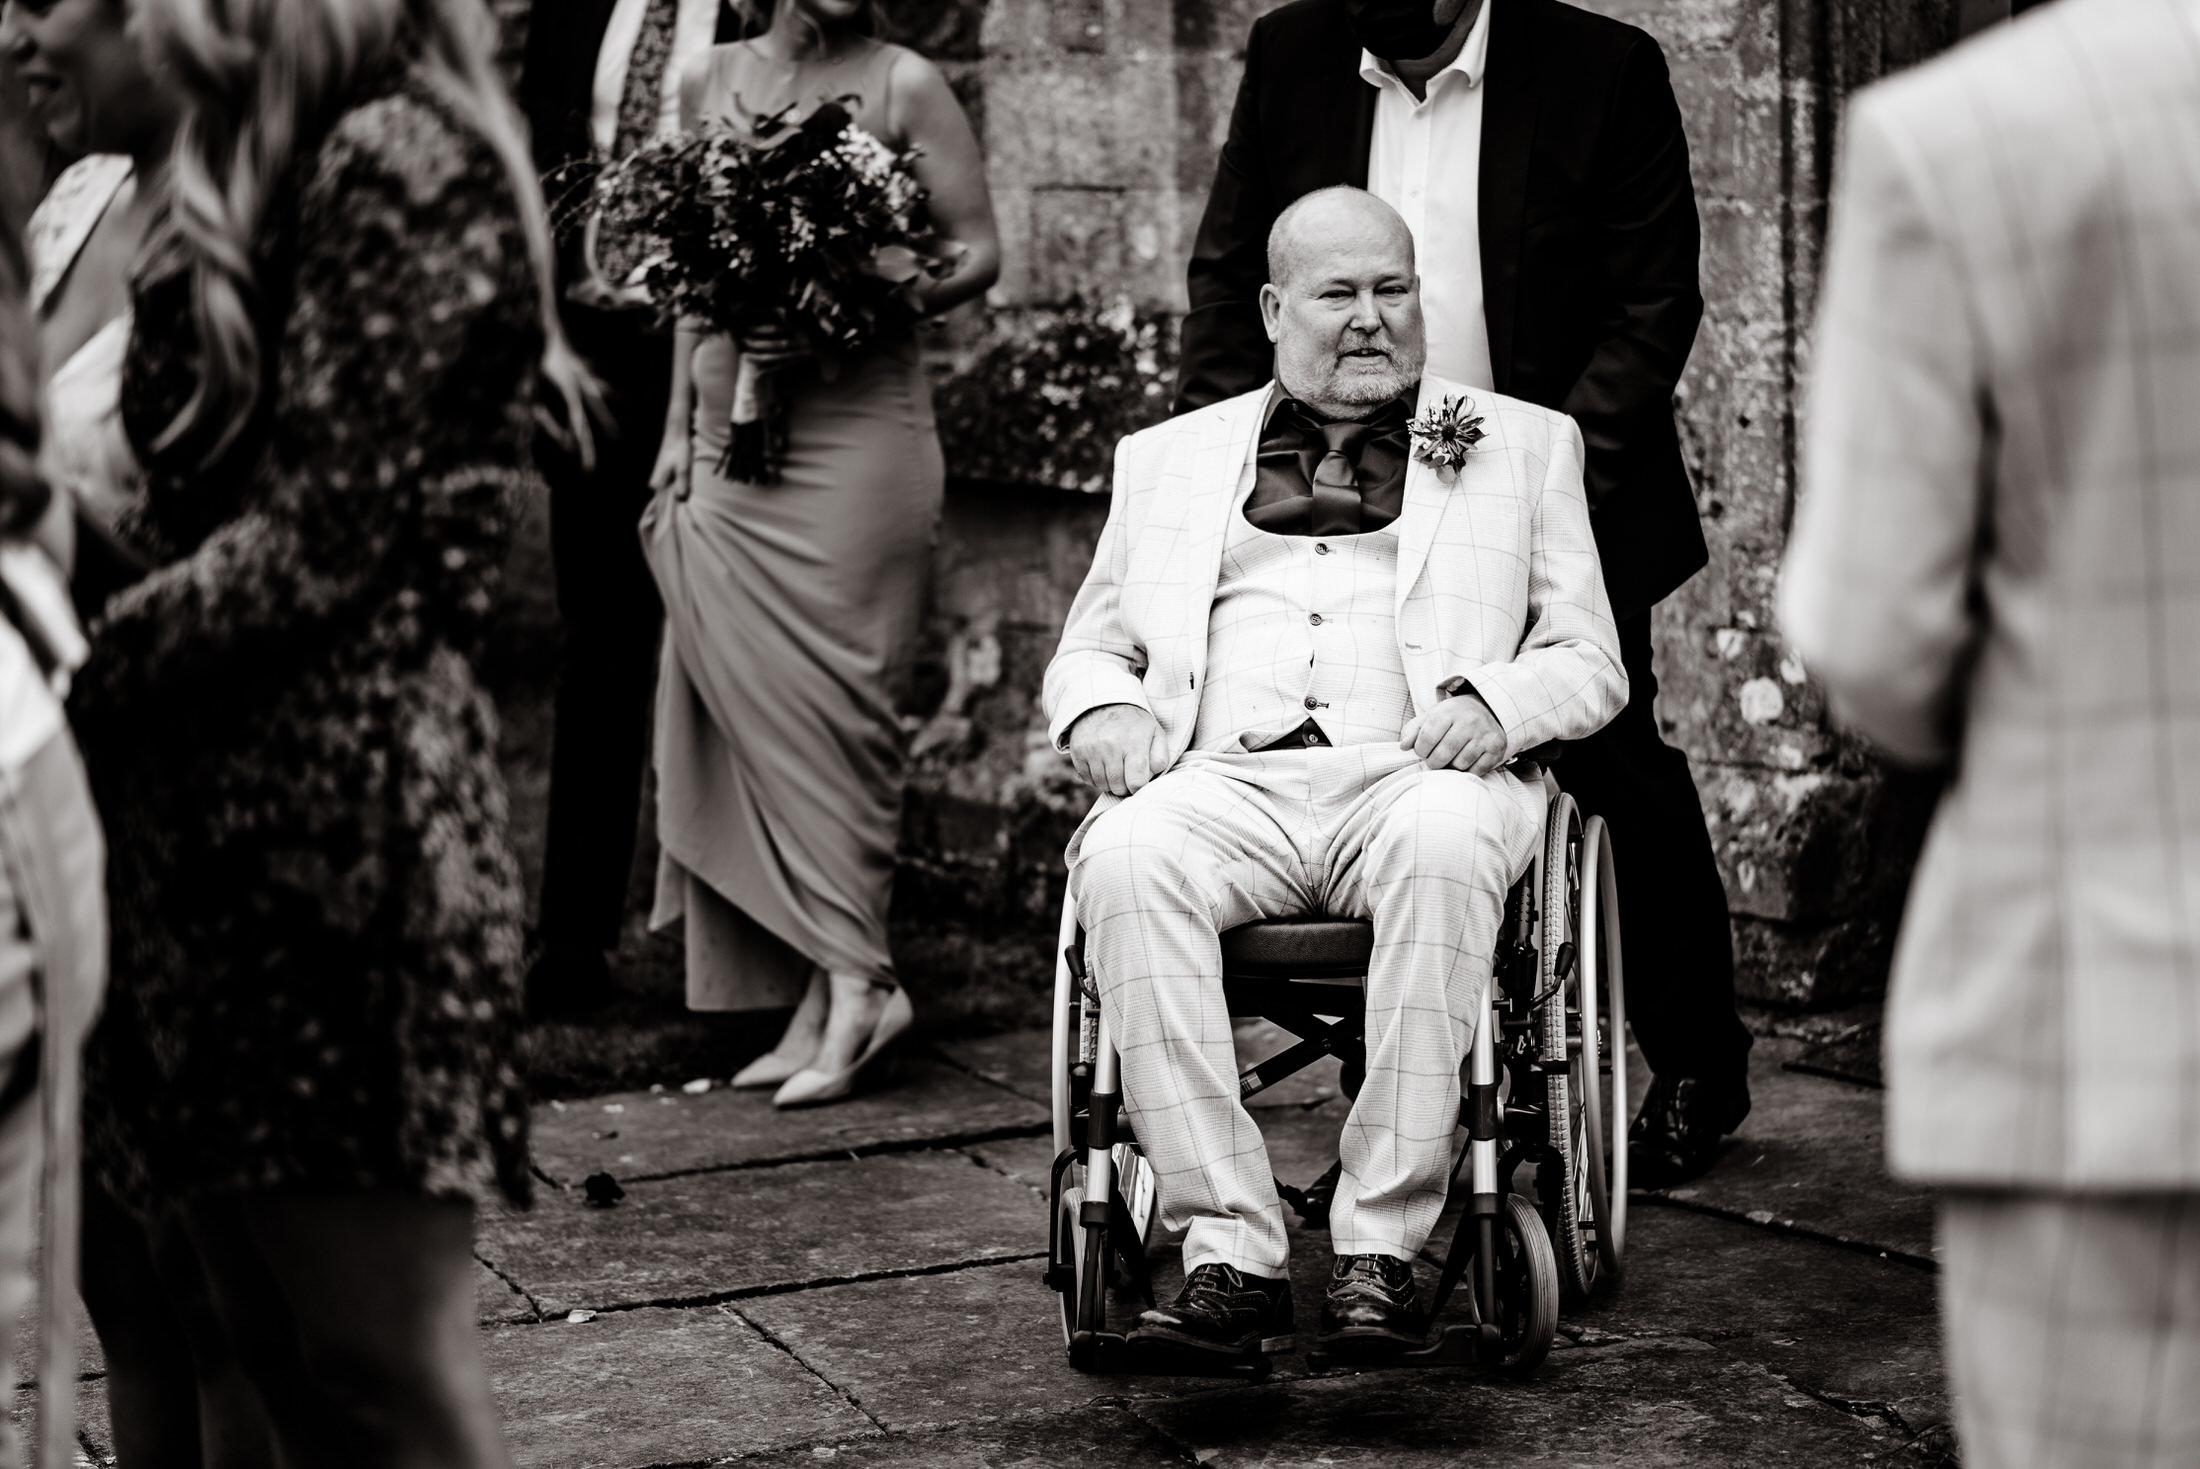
(1016, 1060)
(1099, 1436)
(930, 1352)
(1837, 1322)
(655, 1134)
(697, 1237)
(1634, 1406)
(495, 1302)
(1029, 1161)
(1812, 1155)
(636, 1388)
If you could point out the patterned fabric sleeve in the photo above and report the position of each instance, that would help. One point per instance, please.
(1567, 681)
(1097, 662)
(1880, 590)
(383, 426)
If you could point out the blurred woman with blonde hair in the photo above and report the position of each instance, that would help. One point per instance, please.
(309, 1058)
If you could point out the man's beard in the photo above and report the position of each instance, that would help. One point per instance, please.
(1361, 389)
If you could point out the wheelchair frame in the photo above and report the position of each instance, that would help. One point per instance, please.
(1546, 1084)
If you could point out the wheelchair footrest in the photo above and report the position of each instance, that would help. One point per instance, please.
(1111, 1352)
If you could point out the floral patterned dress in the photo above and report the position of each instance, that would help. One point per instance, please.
(317, 916)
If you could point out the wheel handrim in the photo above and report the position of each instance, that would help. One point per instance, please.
(1604, 1021)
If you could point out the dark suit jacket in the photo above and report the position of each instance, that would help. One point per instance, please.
(1589, 243)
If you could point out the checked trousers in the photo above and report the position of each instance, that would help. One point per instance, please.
(2073, 1328)
(1357, 831)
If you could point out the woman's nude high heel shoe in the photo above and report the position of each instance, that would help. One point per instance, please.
(808, 1088)
(769, 1069)
(777, 1064)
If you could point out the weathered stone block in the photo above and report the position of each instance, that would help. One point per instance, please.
(1086, 244)
(1087, 122)
(944, 30)
(1056, 27)
(1684, 28)
(1217, 25)
(1812, 966)
(1206, 90)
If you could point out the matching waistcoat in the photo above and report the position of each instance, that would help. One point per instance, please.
(1303, 627)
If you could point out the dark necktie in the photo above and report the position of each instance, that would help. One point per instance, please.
(1316, 477)
(641, 101)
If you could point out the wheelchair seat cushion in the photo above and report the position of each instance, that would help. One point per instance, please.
(1299, 948)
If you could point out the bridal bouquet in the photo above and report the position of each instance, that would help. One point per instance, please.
(814, 232)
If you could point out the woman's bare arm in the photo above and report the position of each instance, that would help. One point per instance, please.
(928, 117)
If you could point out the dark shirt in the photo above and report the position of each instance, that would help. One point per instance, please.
(1363, 490)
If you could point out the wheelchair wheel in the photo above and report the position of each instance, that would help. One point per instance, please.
(1087, 1275)
(1569, 1206)
(1527, 1287)
(1082, 1264)
(1602, 1076)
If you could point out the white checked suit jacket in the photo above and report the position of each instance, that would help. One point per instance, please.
(1498, 577)
(1997, 561)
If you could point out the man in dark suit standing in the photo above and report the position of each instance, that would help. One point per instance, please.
(600, 77)
(1536, 151)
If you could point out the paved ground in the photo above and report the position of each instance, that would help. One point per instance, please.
(860, 1285)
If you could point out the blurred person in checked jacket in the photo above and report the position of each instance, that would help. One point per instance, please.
(1996, 570)
(1289, 585)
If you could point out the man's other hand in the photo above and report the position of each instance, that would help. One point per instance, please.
(1117, 747)
(1458, 734)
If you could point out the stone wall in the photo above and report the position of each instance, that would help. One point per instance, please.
(1100, 121)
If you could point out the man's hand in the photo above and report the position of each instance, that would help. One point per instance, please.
(1458, 734)
(1117, 747)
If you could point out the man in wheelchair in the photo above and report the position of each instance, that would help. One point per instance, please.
(1321, 620)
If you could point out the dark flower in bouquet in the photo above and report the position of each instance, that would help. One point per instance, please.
(813, 232)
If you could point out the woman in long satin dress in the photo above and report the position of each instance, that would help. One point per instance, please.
(792, 608)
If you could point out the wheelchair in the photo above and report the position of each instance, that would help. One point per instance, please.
(1546, 1085)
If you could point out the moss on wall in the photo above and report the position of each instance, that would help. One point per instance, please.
(1044, 401)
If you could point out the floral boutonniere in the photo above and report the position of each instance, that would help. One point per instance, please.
(1444, 435)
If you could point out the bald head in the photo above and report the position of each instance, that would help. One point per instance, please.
(1342, 303)
(1333, 222)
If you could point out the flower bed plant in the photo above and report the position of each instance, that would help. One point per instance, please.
(1044, 402)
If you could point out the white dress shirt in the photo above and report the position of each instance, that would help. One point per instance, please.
(693, 30)
(1425, 161)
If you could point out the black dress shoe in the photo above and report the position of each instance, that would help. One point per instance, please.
(1223, 1311)
(1371, 1307)
(566, 982)
(1676, 1135)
